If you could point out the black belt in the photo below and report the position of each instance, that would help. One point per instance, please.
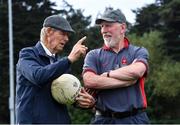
(119, 114)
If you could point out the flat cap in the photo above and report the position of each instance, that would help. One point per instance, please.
(58, 22)
(111, 15)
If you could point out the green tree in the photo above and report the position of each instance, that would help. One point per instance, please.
(147, 19)
(162, 85)
(4, 117)
(170, 20)
(163, 15)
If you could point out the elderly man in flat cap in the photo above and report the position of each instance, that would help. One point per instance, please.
(117, 71)
(38, 66)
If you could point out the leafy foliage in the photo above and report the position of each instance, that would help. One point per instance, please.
(162, 85)
(80, 116)
(163, 16)
(146, 19)
(170, 16)
(167, 86)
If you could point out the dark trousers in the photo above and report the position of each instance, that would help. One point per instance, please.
(140, 118)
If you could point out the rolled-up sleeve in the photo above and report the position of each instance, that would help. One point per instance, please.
(142, 55)
(90, 62)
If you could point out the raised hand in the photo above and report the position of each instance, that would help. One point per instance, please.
(78, 50)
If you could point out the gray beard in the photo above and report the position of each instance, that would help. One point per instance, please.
(110, 43)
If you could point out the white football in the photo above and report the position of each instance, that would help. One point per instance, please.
(65, 88)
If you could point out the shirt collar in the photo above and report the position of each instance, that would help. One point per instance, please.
(126, 45)
(47, 50)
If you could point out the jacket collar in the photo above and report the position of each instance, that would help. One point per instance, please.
(46, 50)
(40, 49)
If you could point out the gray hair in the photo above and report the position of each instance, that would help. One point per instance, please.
(43, 34)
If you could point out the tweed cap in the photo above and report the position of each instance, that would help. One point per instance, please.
(111, 15)
(57, 22)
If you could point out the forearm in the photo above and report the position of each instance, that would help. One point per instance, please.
(41, 75)
(130, 72)
(94, 81)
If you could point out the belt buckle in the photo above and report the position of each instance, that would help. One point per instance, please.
(98, 112)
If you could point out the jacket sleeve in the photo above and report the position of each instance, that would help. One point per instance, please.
(31, 68)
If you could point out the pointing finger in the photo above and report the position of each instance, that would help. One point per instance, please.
(81, 40)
